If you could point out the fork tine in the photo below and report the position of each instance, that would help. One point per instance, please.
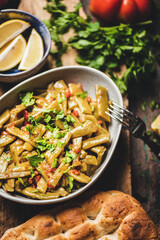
(126, 117)
(116, 116)
(124, 109)
(133, 123)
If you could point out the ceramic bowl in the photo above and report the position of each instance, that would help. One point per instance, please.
(14, 75)
(88, 77)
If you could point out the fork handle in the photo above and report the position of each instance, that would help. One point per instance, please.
(152, 145)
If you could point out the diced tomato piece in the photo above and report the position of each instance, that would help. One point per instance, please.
(30, 180)
(4, 133)
(75, 171)
(7, 175)
(88, 99)
(25, 114)
(36, 173)
(100, 122)
(49, 169)
(11, 125)
(37, 178)
(54, 169)
(77, 150)
(49, 185)
(68, 93)
(76, 113)
(51, 100)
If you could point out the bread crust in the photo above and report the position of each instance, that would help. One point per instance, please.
(101, 216)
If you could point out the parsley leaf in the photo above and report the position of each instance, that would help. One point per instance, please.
(6, 158)
(69, 157)
(60, 115)
(104, 48)
(22, 182)
(54, 163)
(30, 129)
(32, 173)
(35, 160)
(61, 99)
(70, 181)
(27, 99)
(69, 119)
(43, 144)
(82, 95)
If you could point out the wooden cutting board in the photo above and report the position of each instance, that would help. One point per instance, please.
(118, 173)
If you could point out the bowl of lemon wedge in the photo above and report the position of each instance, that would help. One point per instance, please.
(24, 45)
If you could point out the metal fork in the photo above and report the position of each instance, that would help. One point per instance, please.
(134, 124)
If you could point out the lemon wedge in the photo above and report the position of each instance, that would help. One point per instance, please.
(10, 29)
(155, 126)
(12, 53)
(34, 51)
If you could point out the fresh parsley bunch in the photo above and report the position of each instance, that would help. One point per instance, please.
(104, 48)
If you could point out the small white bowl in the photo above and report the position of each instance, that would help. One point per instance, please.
(88, 77)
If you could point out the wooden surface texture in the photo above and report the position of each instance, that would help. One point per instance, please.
(131, 160)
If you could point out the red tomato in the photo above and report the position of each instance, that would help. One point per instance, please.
(144, 8)
(106, 10)
(37, 178)
(88, 99)
(4, 133)
(126, 11)
(75, 171)
(76, 113)
(100, 122)
(77, 150)
(68, 93)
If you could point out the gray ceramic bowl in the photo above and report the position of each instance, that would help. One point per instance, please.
(88, 77)
(14, 75)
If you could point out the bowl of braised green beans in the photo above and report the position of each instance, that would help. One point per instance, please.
(56, 138)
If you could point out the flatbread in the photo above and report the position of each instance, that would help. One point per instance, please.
(111, 215)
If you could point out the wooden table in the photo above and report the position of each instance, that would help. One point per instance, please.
(131, 160)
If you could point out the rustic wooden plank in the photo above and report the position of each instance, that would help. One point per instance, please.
(145, 166)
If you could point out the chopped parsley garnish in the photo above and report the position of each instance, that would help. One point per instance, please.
(65, 125)
(70, 119)
(43, 144)
(59, 143)
(60, 115)
(69, 157)
(58, 135)
(70, 181)
(6, 158)
(54, 163)
(82, 95)
(35, 191)
(32, 172)
(30, 129)
(27, 99)
(47, 118)
(22, 182)
(35, 160)
(61, 100)
(71, 154)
